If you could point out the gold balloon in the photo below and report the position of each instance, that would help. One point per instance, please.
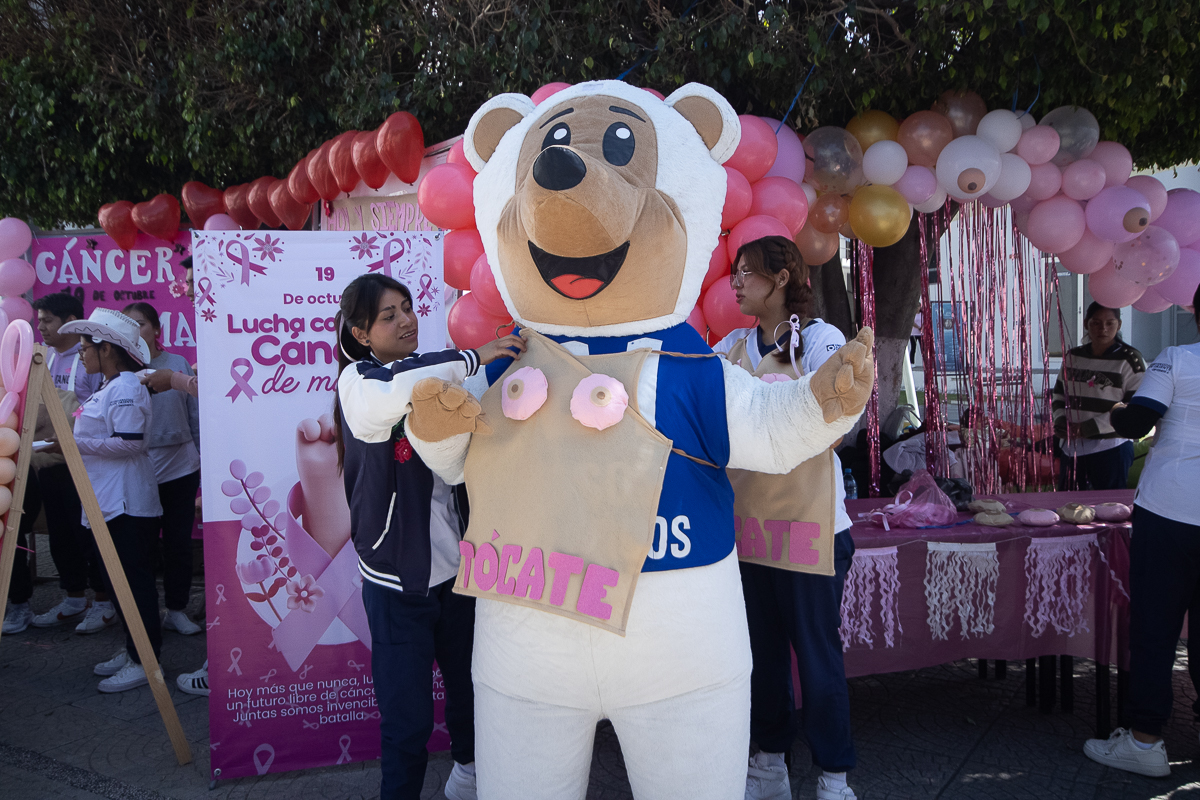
(816, 247)
(829, 212)
(873, 126)
(879, 215)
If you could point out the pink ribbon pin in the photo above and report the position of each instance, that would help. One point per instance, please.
(241, 383)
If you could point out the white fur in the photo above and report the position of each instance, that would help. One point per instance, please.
(446, 458)
(687, 172)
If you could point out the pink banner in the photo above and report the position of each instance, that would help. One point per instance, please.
(93, 268)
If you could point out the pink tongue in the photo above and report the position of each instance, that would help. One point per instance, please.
(576, 287)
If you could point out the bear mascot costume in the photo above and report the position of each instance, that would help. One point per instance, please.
(601, 539)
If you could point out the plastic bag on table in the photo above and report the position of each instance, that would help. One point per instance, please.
(919, 504)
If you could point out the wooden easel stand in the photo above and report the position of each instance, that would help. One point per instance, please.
(42, 385)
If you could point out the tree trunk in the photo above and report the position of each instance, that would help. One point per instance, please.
(897, 274)
(830, 299)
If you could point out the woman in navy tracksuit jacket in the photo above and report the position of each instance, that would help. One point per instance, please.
(406, 524)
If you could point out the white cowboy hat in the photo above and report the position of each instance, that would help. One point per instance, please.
(107, 325)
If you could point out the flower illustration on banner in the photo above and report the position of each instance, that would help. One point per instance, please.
(364, 246)
(178, 288)
(424, 309)
(268, 248)
(209, 315)
(256, 570)
(303, 593)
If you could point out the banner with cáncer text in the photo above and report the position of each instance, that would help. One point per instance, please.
(288, 644)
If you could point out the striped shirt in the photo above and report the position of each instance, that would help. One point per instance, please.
(1094, 384)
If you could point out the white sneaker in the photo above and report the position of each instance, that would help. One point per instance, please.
(767, 778)
(16, 618)
(113, 665)
(178, 621)
(461, 784)
(100, 616)
(130, 677)
(67, 611)
(1120, 751)
(194, 682)
(831, 790)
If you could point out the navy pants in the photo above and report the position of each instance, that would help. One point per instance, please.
(1108, 469)
(71, 545)
(782, 608)
(20, 587)
(1164, 584)
(408, 631)
(134, 539)
(178, 498)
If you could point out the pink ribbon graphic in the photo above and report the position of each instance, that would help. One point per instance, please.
(241, 383)
(262, 766)
(268, 676)
(243, 257)
(235, 655)
(344, 758)
(426, 288)
(204, 285)
(389, 257)
(220, 594)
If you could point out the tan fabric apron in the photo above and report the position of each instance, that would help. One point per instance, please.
(784, 521)
(562, 515)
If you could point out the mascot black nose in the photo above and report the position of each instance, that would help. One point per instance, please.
(558, 168)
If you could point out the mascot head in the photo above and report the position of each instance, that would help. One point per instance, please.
(599, 208)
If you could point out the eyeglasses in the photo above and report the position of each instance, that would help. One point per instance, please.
(737, 278)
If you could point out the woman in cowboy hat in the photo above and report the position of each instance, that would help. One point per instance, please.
(110, 432)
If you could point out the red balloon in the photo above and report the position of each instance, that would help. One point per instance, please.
(470, 326)
(367, 162)
(299, 184)
(117, 221)
(738, 197)
(748, 230)
(401, 145)
(457, 154)
(485, 290)
(201, 202)
(446, 196)
(756, 151)
(657, 94)
(783, 199)
(320, 174)
(697, 321)
(460, 250)
(158, 216)
(341, 161)
(721, 310)
(236, 206)
(291, 212)
(546, 91)
(259, 200)
(718, 265)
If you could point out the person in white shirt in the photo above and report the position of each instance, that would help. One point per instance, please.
(770, 280)
(111, 434)
(1164, 555)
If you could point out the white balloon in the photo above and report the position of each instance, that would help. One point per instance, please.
(968, 167)
(810, 193)
(1002, 128)
(934, 203)
(1026, 119)
(884, 162)
(1014, 178)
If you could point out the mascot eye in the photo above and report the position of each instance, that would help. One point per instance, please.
(560, 134)
(618, 144)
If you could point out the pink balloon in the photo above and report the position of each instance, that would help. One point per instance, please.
(1180, 286)
(1152, 302)
(748, 230)
(756, 152)
(1148, 259)
(1109, 217)
(696, 320)
(1182, 216)
(546, 91)
(781, 198)
(16, 276)
(1044, 181)
(1038, 145)
(1056, 225)
(718, 265)
(446, 196)
(470, 326)
(721, 310)
(654, 92)
(738, 197)
(15, 237)
(1152, 189)
(1083, 179)
(1116, 160)
(221, 222)
(917, 184)
(16, 308)
(1088, 256)
(789, 161)
(987, 201)
(484, 289)
(1110, 289)
(16, 352)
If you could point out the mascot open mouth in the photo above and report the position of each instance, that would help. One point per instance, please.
(578, 278)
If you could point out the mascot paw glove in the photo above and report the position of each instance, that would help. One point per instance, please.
(441, 410)
(842, 385)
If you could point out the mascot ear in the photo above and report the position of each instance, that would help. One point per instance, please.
(711, 116)
(489, 124)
